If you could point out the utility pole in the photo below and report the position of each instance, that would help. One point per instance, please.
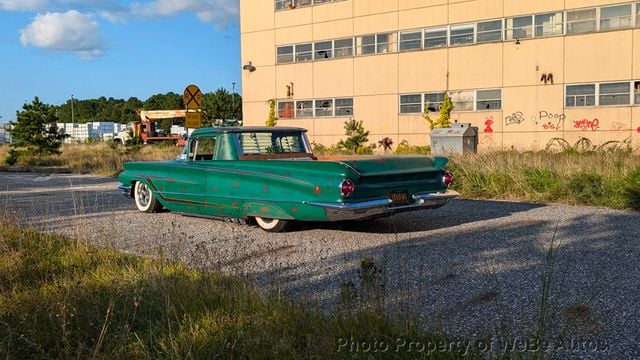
(233, 99)
(73, 119)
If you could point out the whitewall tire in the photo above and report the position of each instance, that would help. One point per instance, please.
(273, 225)
(145, 201)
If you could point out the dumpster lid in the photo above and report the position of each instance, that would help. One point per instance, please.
(456, 129)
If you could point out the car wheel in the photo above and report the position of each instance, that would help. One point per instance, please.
(145, 201)
(273, 225)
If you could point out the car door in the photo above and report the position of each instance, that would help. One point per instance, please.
(187, 181)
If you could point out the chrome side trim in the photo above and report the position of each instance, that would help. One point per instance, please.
(381, 207)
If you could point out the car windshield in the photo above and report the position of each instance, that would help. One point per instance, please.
(279, 142)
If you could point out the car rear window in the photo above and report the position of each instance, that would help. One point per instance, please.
(254, 143)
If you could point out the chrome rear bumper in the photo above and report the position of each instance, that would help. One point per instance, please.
(382, 207)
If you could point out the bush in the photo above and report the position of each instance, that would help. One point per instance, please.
(12, 157)
(405, 149)
(633, 189)
(587, 188)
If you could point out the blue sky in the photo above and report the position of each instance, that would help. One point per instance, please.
(90, 48)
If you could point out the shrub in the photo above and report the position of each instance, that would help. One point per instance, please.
(405, 149)
(587, 188)
(633, 189)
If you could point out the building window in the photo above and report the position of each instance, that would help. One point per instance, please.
(489, 100)
(304, 52)
(549, 24)
(343, 47)
(285, 109)
(433, 101)
(615, 17)
(344, 107)
(410, 40)
(615, 94)
(638, 14)
(580, 95)
(434, 38)
(519, 28)
(283, 4)
(462, 100)
(410, 104)
(384, 43)
(304, 109)
(462, 34)
(366, 45)
(284, 54)
(581, 21)
(324, 107)
(301, 3)
(323, 50)
(489, 31)
(636, 87)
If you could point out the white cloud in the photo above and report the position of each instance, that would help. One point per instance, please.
(219, 12)
(71, 31)
(23, 5)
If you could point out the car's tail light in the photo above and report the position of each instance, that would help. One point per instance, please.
(447, 179)
(347, 187)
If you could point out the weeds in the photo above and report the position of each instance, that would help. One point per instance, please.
(63, 298)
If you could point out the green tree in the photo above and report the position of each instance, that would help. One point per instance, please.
(222, 105)
(357, 136)
(35, 129)
(444, 119)
(272, 120)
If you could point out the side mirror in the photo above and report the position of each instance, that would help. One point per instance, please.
(182, 157)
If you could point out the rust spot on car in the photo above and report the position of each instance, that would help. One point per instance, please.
(286, 174)
(234, 204)
(236, 184)
(264, 209)
(317, 189)
(183, 190)
(214, 189)
(294, 209)
(265, 189)
(381, 161)
(160, 187)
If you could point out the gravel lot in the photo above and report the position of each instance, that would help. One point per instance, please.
(471, 269)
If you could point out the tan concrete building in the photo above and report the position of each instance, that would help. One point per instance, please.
(522, 71)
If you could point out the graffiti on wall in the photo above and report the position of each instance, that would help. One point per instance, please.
(550, 120)
(487, 124)
(619, 126)
(514, 119)
(586, 124)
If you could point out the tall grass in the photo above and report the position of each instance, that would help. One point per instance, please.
(601, 178)
(98, 158)
(63, 299)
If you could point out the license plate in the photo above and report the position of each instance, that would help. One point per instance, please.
(399, 197)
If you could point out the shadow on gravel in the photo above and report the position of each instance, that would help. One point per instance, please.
(457, 212)
(484, 279)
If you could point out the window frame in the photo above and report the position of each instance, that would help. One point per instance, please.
(402, 43)
(576, 96)
(510, 31)
(305, 112)
(499, 31)
(593, 21)
(540, 25)
(439, 103)
(323, 111)
(488, 100)
(278, 55)
(609, 95)
(472, 101)
(328, 53)
(339, 110)
(402, 105)
(618, 18)
(281, 109)
(436, 30)
(338, 50)
(308, 54)
(468, 26)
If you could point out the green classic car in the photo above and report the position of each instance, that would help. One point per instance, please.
(270, 174)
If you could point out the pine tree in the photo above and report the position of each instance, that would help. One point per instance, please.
(357, 136)
(35, 129)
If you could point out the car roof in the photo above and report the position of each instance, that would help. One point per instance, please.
(234, 129)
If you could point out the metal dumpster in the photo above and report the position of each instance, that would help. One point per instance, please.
(460, 138)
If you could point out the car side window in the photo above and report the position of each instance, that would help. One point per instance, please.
(203, 149)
